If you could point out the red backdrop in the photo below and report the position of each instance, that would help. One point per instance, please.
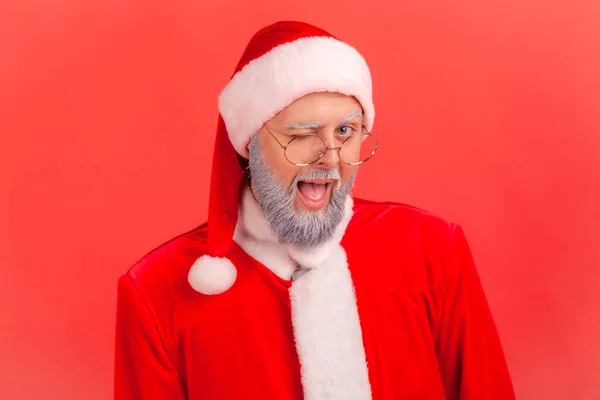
(488, 114)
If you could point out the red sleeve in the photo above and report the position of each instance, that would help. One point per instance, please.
(143, 369)
(471, 359)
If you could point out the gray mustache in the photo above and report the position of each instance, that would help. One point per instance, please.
(317, 174)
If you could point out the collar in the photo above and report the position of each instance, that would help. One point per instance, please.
(286, 261)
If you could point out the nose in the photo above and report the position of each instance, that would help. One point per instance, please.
(331, 158)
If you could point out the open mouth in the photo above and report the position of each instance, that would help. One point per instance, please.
(314, 194)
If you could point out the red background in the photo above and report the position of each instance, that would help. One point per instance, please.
(488, 114)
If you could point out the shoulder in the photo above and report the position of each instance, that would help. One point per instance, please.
(404, 222)
(418, 250)
(407, 235)
(161, 275)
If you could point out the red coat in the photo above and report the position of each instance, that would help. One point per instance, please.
(425, 326)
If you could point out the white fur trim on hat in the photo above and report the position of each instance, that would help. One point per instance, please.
(212, 275)
(286, 73)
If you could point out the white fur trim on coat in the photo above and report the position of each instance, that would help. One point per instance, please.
(286, 73)
(325, 316)
(212, 275)
(328, 333)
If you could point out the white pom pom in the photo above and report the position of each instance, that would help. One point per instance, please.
(212, 275)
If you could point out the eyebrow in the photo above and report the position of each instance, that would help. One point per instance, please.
(351, 117)
(302, 125)
(318, 125)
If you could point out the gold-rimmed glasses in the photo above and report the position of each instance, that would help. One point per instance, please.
(308, 148)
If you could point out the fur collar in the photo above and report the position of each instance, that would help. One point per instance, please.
(286, 261)
(325, 316)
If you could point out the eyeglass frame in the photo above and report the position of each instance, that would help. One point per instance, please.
(327, 148)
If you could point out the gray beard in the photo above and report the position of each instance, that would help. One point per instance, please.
(303, 229)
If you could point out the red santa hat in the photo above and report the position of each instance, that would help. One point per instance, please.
(282, 63)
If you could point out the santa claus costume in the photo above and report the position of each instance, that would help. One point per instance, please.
(391, 307)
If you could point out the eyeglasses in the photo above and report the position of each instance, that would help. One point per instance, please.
(308, 148)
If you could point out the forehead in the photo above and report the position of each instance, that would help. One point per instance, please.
(322, 108)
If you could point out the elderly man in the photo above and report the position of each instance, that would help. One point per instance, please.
(294, 289)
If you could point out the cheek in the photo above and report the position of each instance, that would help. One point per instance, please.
(276, 161)
(346, 172)
(287, 172)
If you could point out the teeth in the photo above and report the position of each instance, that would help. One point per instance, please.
(315, 184)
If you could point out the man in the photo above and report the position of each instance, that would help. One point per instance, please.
(295, 289)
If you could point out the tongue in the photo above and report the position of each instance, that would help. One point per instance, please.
(312, 191)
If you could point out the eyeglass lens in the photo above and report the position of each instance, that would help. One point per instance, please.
(306, 149)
